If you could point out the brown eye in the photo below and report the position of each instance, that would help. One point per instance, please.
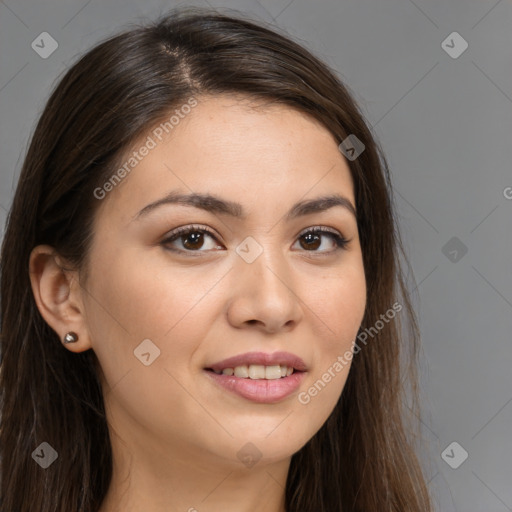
(312, 240)
(192, 239)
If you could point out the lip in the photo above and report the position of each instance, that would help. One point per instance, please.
(275, 358)
(260, 390)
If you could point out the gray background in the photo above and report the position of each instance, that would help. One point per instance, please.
(445, 124)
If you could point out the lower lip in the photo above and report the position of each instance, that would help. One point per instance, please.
(259, 390)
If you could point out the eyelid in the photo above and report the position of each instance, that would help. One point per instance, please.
(189, 228)
(320, 228)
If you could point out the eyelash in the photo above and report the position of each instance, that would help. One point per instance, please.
(340, 241)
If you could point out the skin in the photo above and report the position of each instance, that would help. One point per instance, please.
(175, 436)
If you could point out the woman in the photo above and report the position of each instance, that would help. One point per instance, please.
(201, 293)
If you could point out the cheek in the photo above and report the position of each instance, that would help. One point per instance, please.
(340, 304)
(339, 301)
(134, 300)
(137, 299)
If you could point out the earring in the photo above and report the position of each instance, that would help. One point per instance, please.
(71, 337)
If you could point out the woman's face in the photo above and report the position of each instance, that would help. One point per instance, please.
(162, 313)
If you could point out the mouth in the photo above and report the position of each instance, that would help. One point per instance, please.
(259, 377)
(257, 371)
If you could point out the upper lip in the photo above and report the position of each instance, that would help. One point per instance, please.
(261, 358)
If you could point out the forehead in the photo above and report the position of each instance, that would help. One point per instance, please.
(234, 147)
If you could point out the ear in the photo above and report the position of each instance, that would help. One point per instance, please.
(58, 296)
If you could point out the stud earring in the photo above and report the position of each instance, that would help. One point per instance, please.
(71, 337)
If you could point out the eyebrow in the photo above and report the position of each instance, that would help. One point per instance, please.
(217, 205)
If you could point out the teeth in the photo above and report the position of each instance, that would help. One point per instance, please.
(258, 371)
(273, 372)
(242, 371)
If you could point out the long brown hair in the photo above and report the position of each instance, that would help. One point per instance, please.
(363, 458)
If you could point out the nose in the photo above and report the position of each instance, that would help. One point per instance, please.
(264, 295)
